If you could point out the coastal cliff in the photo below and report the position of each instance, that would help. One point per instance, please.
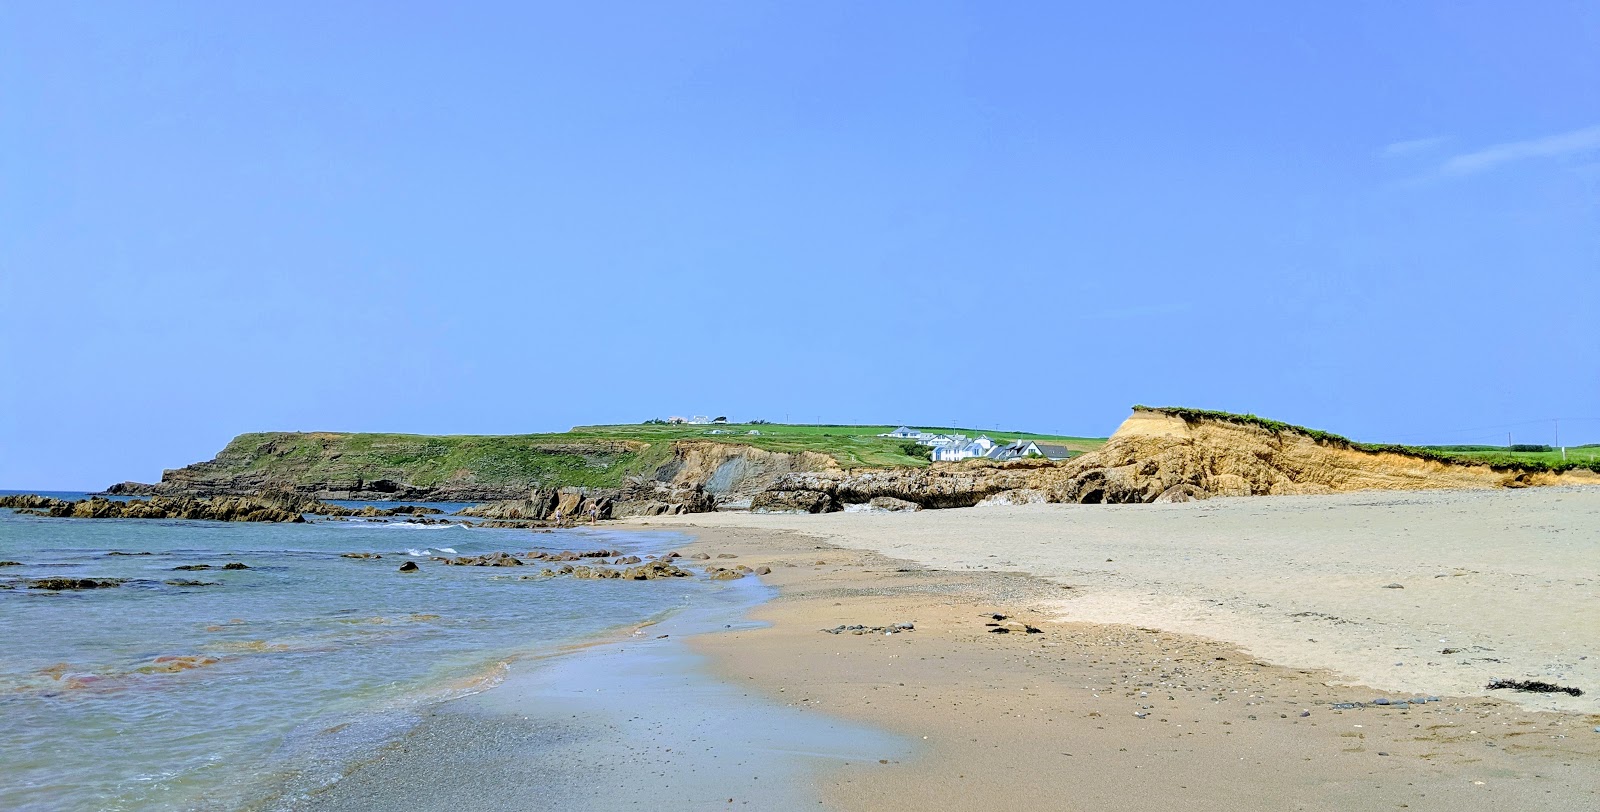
(1168, 455)
(635, 477)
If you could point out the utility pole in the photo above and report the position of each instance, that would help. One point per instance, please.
(1563, 448)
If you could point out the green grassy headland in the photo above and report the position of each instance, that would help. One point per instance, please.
(589, 456)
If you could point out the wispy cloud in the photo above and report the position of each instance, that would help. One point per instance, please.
(1550, 146)
(1402, 148)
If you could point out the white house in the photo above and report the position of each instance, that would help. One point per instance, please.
(700, 420)
(963, 450)
(1029, 448)
(905, 433)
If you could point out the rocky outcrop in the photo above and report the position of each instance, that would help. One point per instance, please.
(1160, 456)
(1164, 455)
(685, 476)
(267, 508)
(567, 505)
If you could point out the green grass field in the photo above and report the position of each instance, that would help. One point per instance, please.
(852, 446)
(1583, 454)
(590, 456)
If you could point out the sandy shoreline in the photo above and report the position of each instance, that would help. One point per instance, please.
(1201, 668)
(1053, 720)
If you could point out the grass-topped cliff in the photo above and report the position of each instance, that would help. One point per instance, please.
(472, 467)
(1541, 460)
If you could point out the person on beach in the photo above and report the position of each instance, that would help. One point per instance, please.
(594, 515)
(558, 517)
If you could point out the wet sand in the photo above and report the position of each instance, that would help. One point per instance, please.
(1201, 666)
(634, 722)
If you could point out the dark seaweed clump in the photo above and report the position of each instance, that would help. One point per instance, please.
(1533, 686)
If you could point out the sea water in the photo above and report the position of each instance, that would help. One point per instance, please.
(265, 683)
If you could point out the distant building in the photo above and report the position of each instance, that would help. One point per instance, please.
(676, 420)
(963, 449)
(906, 433)
(700, 420)
(1029, 448)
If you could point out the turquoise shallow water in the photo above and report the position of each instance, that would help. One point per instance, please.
(285, 671)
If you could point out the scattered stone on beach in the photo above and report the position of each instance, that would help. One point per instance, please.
(726, 555)
(62, 584)
(720, 574)
(763, 570)
(1012, 626)
(700, 557)
(1394, 586)
(629, 559)
(857, 628)
(236, 565)
(409, 566)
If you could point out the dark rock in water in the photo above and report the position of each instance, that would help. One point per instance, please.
(653, 570)
(59, 584)
(119, 552)
(360, 555)
(1533, 686)
(187, 582)
(191, 567)
(726, 575)
(10, 563)
(235, 565)
(409, 566)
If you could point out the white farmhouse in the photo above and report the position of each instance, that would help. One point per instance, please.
(906, 433)
(1029, 448)
(963, 449)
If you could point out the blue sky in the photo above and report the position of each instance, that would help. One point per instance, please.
(1379, 219)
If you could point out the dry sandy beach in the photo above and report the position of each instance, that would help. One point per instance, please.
(1190, 656)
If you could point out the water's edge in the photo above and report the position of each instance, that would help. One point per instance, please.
(626, 720)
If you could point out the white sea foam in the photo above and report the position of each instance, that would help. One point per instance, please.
(447, 550)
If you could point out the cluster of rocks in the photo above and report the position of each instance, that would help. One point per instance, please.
(608, 564)
(264, 508)
(1382, 702)
(231, 565)
(892, 628)
(63, 584)
(371, 511)
(651, 571)
(571, 505)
